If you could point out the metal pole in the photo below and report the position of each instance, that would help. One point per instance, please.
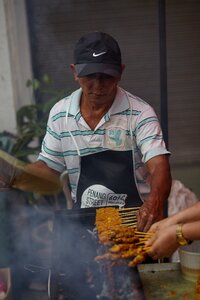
(163, 69)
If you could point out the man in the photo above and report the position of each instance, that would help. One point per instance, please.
(108, 141)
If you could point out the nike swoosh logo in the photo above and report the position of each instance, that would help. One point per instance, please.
(98, 54)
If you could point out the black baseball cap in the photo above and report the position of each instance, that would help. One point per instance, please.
(97, 52)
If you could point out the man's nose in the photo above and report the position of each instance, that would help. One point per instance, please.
(100, 76)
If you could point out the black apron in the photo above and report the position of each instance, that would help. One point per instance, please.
(107, 179)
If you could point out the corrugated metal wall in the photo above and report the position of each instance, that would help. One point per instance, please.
(56, 25)
(183, 47)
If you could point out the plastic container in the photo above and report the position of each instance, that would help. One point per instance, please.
(190, 260)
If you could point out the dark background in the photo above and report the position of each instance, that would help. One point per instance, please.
(56, 25)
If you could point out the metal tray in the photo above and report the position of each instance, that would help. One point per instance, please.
(165, 281)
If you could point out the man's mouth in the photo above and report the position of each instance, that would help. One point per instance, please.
(98, 94)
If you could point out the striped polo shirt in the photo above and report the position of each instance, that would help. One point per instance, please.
(130, 124)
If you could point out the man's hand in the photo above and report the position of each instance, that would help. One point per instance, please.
(150, 212)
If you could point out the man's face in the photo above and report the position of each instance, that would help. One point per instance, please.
(98, 86)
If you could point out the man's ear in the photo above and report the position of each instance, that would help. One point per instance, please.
(122, 70)
(123, 67)
(72, 67)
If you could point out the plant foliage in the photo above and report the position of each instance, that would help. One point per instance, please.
(32, 119)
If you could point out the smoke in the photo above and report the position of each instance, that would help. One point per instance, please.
(29, 240)
(64, 242)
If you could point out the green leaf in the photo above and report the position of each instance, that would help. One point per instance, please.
(36, 84)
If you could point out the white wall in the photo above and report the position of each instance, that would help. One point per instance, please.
(15, 62)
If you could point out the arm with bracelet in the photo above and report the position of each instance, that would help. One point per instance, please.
(174, 231)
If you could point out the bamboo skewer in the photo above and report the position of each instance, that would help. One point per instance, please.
(127, 214)
(128, 208)
(129, 221)
(130, 226)
(143, 237)
(129, 218)
(134, 241)
(143, 233)
(147, 248)
(130, 213)
(140, 243)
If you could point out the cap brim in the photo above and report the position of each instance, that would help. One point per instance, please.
(88, 69)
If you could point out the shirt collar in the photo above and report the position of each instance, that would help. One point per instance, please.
(120, 103)
(75, 102)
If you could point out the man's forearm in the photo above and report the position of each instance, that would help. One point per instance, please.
(160, 182)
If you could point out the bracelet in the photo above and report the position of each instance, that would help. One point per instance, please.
(179, 236)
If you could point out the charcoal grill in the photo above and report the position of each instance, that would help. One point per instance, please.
(74, 274)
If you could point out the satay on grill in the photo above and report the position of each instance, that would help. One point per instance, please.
(121, 242)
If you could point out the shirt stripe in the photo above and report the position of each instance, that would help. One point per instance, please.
(130, 124)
